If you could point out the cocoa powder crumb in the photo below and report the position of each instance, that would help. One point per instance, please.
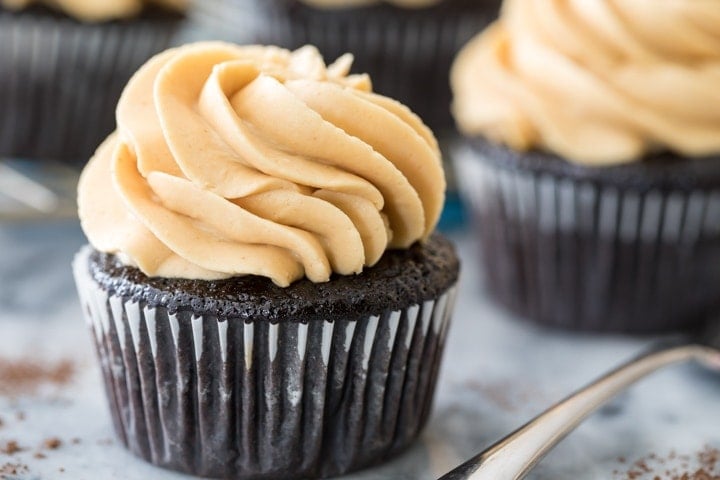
(39, 455)
(10, 447)
(25, 376)
(12, 469)
(704, 465)
(52, 443)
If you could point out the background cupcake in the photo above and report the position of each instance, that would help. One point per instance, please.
(594, 170)
(64, 64)
(264, 288)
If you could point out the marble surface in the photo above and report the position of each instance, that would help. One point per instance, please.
(498, 373)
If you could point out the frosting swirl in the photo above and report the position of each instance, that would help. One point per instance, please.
(233, 160)
(97, 10)
(365, 3)
(595, 81)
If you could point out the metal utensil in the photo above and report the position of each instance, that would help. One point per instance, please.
(515, 455)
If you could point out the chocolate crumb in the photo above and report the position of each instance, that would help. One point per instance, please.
(52, 443)
(10, 447)
(25, 376)
(12, 469)
(39, 455)
(704, 465)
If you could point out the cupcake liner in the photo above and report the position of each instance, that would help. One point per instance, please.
(223, 397)
(62, 80)
(407, 52)
(595, 254)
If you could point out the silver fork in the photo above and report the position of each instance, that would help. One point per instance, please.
(515, 455)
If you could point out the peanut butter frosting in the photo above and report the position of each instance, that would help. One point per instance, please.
(598, 82)
(365, 3)
(232, 160)
(97, 10)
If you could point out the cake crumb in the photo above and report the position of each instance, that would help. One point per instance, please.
(52, 443)
(12, 469)
(11, 447)
(25, 376)
(704, 465)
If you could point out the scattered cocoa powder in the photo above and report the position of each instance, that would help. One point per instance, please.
(10, 447)
(52, 443)
(705, 465)
(12, 469)
(507, 395)
(39, 455)
(20, 416)
(24, 376)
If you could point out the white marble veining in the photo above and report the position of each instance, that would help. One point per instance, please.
(498, 373)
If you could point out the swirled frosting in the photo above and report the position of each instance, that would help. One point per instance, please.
(97, 10)
(365, 3)
(596, 81)
(233, 160)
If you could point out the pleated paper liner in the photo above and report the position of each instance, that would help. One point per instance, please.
(62, 79)
(223, 397)
(626, 249)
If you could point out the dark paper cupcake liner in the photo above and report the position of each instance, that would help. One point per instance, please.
(62, 79)
(407, 52)
(227, 398)
(629, 249)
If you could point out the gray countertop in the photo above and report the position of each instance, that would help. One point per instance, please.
(498, 373)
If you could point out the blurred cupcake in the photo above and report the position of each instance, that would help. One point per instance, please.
(594, 163)
(406, 45)
(266, 294)
(65, 63)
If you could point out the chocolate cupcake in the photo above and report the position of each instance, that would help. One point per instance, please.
(64, 66)
(593, 167)
(265, 291)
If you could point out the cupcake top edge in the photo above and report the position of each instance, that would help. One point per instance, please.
(254, 160)
(595, 82)
(330, 4)
(94, 11)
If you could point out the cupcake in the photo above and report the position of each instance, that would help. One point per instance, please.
(593, 161)
(263, 284)
(64, 65)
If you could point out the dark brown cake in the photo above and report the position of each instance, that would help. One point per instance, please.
(632, 248)
(242, 379)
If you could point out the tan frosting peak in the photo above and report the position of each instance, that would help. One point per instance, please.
(365, 3)
(235, 160)
(97, 10)
(595, 81)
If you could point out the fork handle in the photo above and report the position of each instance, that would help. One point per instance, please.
(514, 456)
